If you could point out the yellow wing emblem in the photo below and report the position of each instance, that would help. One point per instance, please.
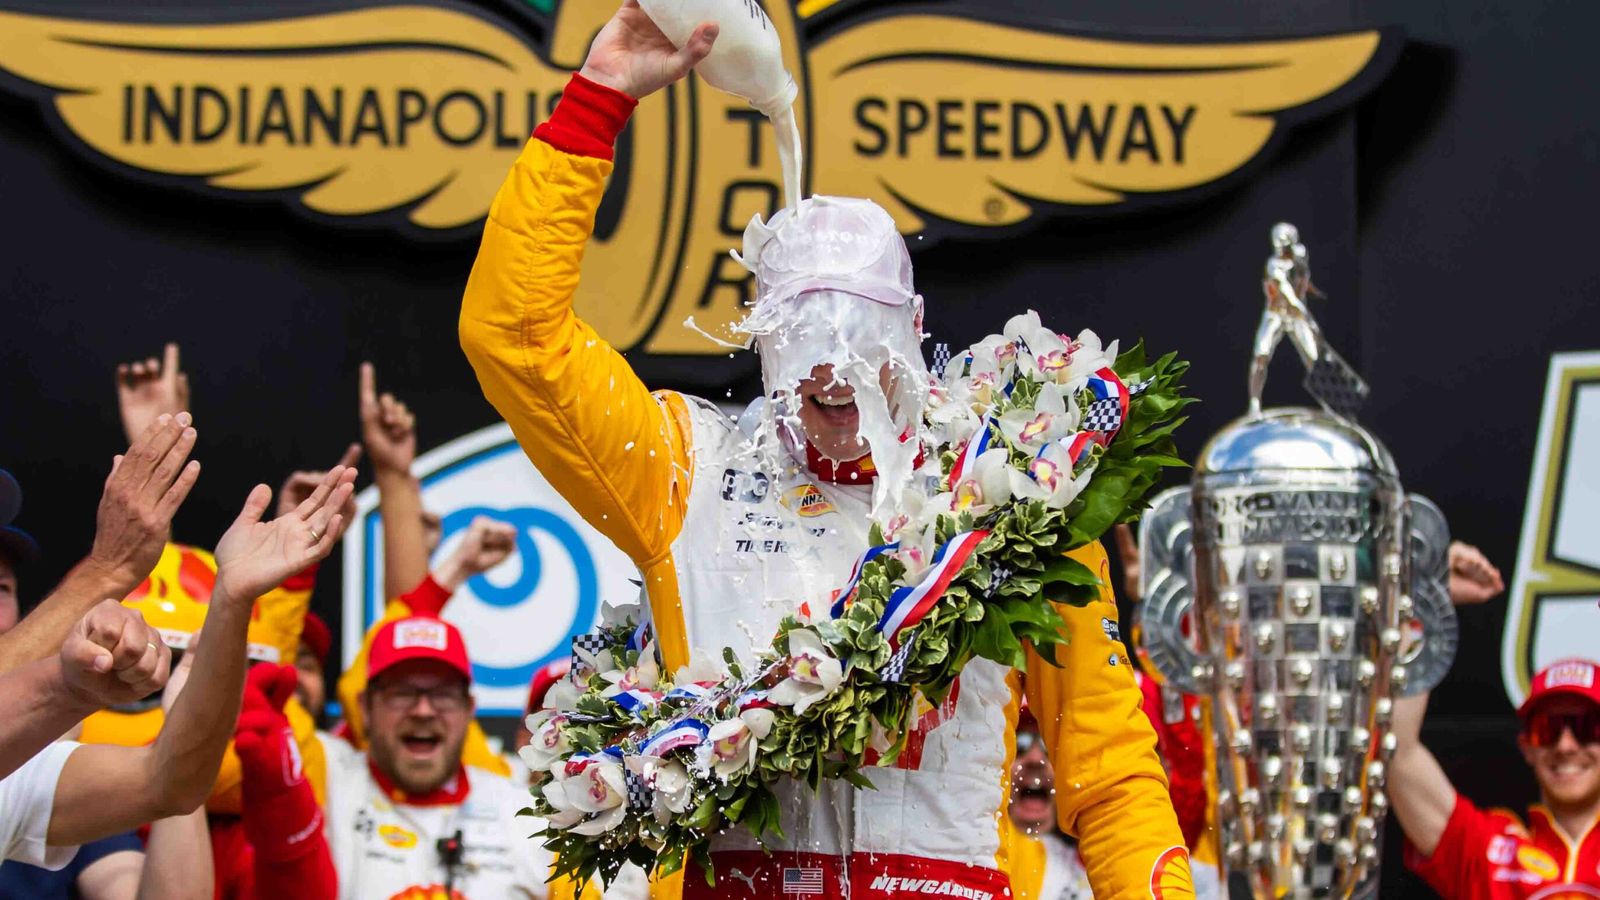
(939, 117)
(410, 110)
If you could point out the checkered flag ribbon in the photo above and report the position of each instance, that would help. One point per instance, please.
(941, 359)
(1139, 387)
(1335, 385)
(638, 792)
(895, 669)
(590, 643)
(1103, 415)
(997, 576)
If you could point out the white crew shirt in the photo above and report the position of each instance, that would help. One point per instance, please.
(27, 797)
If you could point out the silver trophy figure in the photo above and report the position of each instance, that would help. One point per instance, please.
(1287, 285)
(1314, 589)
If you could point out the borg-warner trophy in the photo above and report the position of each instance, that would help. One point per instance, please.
(1313, 590)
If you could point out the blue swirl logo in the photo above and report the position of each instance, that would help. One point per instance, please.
(528, 521)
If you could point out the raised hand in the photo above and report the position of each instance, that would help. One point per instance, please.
(149, 389)
(143, 492)
(255, 556)
(1473, 579)
(488, 543)
(300, 485)
(387, 428)
(112, 657)
(630, 54)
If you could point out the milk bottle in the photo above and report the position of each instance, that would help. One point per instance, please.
(747, 61)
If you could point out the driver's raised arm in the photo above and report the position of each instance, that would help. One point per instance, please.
(618, 454)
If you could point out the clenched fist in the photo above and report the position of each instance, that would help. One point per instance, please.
(112, 657)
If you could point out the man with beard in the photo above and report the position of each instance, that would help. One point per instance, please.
(406, 818)
(735, 529)
(1465, 853)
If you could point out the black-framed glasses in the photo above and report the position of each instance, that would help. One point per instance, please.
(403, 697)
(1544, 729)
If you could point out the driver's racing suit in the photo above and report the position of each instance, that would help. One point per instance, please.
(728, 546)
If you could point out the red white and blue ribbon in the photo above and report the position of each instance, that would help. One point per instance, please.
(1078, 446)
(969, 456)
(1108, 390)
(909, 605)
(580, 761)
(753, 700)
(849, 589)
(687, 733)
(637, 701)
(692, 692)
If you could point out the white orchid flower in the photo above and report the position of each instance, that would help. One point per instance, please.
(566, 814)
(668, 782)
(995, 355)
(562, 696)
(1050, 477)
(731, 748)
(1088, 356)
(642, 675)
(1043, 352)
(599, 790)
(701, 671)
(759, 720)
(548, 743)
(814, 673)
(1050, 419)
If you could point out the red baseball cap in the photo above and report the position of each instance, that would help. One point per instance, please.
(419, 637)
(1564, 677)
(545, 679)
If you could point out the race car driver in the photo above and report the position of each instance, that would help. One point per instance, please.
(1466, 853)
(710, 515)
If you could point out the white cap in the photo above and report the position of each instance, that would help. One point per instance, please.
(843, 244)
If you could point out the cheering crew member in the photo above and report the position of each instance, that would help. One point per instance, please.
(1464, 852)
(701, 511)
(406, 818)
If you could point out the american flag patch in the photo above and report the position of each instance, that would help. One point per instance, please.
(802, 881)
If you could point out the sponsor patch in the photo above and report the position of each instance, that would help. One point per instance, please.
(1537, 862)
(807, 501)
(1570, 674)
(397, 837)
(420, 633)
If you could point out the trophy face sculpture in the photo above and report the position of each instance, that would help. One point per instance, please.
(1298, 587)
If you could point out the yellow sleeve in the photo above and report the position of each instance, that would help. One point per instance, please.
(1111, 791)
(580, 413)
(1025, 856)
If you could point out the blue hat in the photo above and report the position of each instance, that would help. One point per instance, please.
(16, 545)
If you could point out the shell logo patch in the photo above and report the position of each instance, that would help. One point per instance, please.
(1538, 862)
(397, 837)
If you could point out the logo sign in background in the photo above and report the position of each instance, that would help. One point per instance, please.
(521, 614)
(408, 115)
(1555, 593)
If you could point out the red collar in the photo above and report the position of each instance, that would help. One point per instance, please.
(451, 793)
(856, 471)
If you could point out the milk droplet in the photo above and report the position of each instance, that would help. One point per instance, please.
(628, 446)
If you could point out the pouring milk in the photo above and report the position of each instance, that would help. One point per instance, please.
(746, 61)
